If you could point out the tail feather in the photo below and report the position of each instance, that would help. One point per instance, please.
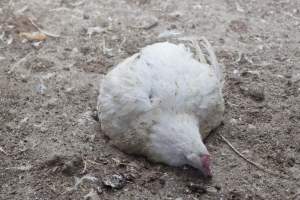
(206, 54)
(210, 56)
(199, 52)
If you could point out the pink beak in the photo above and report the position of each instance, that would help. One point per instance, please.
(206, 170)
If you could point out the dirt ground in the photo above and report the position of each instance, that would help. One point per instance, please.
(49, 132)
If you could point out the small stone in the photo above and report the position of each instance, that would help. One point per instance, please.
(197, 188)
(248, 73)
(251, 128)
(52, 102)
(44, 129)
(175, 15)
(296, 11)
(69, 90)
(218, 187)
(255, 92)
(24, 78)
(212, 190)
(115, 181)
(233, 121)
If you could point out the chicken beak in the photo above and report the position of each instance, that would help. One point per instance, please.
(201, 163)
(206, 169)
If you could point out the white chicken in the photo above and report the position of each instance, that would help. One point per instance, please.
(162, 103)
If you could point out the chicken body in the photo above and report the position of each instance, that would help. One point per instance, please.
(161, 103)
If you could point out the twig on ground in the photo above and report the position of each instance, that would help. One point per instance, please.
(20, 168)
(84, 166)
(18, 63)
(93, 162)
(43, 31)
(122, 44)
(250, 161)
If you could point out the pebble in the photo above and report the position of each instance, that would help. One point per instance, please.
(212, 190)
(255, 73)
(175, 15)
(255, 92)
(197, 188)
(251, 128)
(24, 78)
(69, 90)
(218, 187)
(114, 181)
(233, 121)
(51, 103)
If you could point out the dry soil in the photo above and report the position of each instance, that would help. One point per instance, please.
(48, 130)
